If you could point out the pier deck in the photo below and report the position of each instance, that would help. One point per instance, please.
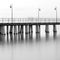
(29, 21)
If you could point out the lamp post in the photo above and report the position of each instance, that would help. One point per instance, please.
(11, 13)
(56, 13)
(38, 26)
(11, 27)
(38, 13)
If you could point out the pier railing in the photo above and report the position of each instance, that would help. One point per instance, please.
(29, 20)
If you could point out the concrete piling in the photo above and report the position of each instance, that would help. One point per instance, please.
(47, 29)
(7, 30)
(15, 29)
(26, 29)
(30, 29)
(11, 29)
(37, 31)
(22, 35)
(2, 30)
(26, 32)
(37, 28)
(54, 31)
(19, 29)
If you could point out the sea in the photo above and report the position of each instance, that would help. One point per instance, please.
(34, 46)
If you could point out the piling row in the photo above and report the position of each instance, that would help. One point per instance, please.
(28, 29)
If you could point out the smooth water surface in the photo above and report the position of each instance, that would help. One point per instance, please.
(29, 49)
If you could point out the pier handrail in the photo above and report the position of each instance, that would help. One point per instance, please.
(29, 20)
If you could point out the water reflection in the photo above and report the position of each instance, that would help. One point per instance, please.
(47, 36)
(38, 48)
(8, 38)
(2, 39)
(22, 36)
(11, 38)
(15, 38)
(19, 38)
(41, 51)
(26, 36)
(30, 36)
(54, 35)
(38, 36)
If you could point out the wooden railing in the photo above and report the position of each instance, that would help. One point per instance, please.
(28, 20)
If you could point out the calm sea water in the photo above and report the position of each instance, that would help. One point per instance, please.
(15, 47)
(30, 49)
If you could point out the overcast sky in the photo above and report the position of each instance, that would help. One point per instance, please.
(29, 8)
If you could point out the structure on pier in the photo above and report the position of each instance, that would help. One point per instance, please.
(28, 23)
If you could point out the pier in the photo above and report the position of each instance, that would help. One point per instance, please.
(17, 26)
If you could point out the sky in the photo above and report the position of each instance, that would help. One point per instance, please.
(29, 8)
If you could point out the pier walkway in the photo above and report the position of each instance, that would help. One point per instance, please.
(28, 23)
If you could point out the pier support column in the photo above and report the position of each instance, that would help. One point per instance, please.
(37, 28)
(30, 32)
(11, 29)
(30, 29)
(19, 29)
(26, 32)
(37, 32)
(2, 30)
(54, 31)
(7, 30)
(54, 28)
(26, 29)
(47, 31)
(15, 29)
(22, 32)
